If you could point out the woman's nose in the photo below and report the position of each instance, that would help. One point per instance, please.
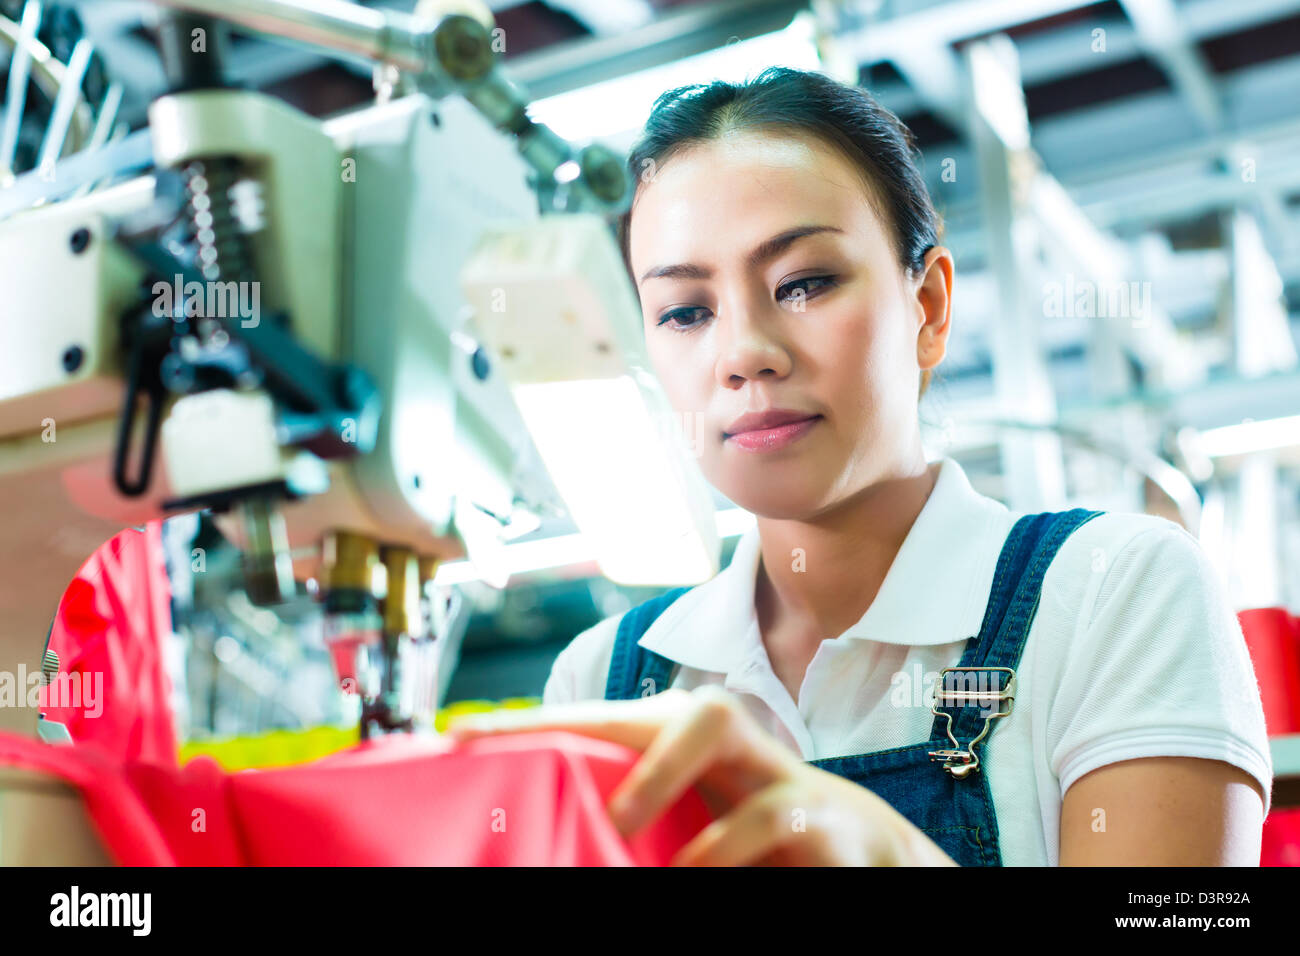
(749, 347)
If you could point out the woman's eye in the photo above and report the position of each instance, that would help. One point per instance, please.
(805, 288)
(681, 316)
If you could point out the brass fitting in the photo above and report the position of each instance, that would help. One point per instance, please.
(348, 559)
(401, 606)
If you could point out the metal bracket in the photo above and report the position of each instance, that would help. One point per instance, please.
(958, 760)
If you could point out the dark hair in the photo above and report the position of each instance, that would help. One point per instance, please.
(843, 116)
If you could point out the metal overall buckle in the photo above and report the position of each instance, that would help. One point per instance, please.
(958, 760)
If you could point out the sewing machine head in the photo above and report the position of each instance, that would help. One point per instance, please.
(316, 331)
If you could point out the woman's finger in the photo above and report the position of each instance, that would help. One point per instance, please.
(711, 729)
(757, 827)
(681, 752)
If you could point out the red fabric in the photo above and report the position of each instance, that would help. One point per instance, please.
(110, 631)
(1273, 639)
(111, 802)
(530, 799)
(1281, 840)
(523, 800)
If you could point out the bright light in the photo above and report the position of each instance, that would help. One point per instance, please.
(624, 477)
(998, 94)
(734, 521)
(606, 110)
(1250, 436)
(566, 550)
(613, 446)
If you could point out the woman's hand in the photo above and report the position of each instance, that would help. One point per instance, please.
(769, 806)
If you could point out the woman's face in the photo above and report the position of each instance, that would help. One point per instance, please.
(768, 280)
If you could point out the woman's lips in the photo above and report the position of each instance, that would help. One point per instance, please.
(770, 439)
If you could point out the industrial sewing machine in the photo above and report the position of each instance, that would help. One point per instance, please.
(374, 341)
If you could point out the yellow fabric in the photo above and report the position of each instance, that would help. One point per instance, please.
(282, 748)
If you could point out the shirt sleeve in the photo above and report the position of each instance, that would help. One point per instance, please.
(580, 671)
(1158, 667)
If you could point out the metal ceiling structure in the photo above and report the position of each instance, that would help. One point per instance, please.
(1144, 110)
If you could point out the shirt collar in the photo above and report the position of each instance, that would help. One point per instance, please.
(935, 591)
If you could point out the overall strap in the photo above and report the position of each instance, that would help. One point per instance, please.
(633, 670)
(1013, 601)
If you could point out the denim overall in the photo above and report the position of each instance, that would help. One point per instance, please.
(939, 784)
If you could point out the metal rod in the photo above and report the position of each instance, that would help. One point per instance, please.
(378, 35)
(105, 124)
(65, 104)
(107, 118)
(16, 87)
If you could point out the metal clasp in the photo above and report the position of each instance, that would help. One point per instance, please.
(958, 760)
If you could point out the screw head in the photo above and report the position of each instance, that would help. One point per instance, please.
(73, 356)
(604, 173)
(79, 240)
(49, 667)
(462, 47)
(479, 363)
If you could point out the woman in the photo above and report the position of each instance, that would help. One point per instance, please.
(795, 295)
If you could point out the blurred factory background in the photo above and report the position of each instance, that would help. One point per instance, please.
(1120, 183)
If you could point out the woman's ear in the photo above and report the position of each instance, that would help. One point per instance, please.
(933, 291)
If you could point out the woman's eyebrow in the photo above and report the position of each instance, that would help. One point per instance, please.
(765, 250)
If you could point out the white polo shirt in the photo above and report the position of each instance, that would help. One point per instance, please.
(1134, 652)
